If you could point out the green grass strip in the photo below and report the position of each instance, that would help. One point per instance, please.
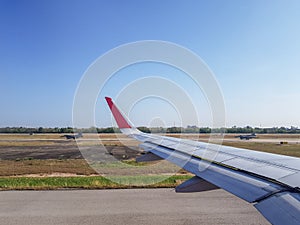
(97, 182)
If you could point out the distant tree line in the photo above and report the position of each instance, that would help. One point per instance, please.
(188, 129)
(37, 130)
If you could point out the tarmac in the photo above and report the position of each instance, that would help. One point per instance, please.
(126, 206)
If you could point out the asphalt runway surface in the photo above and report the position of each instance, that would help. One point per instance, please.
(129, 206)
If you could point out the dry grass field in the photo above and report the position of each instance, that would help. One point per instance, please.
(49, 161)
(42, 154)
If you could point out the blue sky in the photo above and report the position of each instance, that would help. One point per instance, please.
(252, 47)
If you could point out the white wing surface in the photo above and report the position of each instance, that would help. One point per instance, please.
(270, 181)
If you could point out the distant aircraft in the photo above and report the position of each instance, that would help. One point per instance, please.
(247, 136)
(67, 136)
(270, 182)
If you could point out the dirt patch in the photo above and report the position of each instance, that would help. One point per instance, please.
(60, 151)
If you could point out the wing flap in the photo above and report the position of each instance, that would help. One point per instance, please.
(195, 184)
(148, 157)
(281, 208)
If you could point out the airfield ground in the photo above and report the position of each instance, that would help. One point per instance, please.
(51, 155)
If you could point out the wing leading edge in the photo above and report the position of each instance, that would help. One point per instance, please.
(271, 182)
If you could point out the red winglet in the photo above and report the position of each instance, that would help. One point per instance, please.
(121, 121)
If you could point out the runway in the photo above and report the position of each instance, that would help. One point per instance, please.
(131, 206)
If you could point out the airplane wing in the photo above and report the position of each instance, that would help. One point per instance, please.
(270, 181)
